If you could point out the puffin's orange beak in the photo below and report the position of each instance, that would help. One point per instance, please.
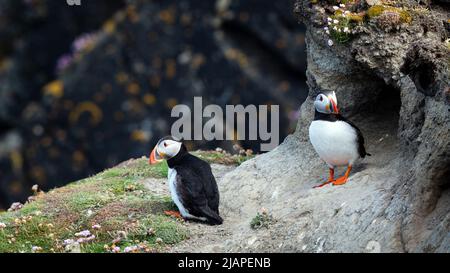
(153, 159)
(334, 106)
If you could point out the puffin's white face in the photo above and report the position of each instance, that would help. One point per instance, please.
(165, 149)
(326, 104)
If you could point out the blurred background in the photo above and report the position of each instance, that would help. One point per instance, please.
(83, 88)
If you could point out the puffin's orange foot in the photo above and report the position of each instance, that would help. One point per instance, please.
(323, 184)
(330, 180)
(173, 213)
(340, 181)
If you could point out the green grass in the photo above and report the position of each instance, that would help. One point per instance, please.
(141, 169)
(222, 158)
(115, 199)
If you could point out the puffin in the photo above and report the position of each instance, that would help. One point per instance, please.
(192, 185)
(336, 140)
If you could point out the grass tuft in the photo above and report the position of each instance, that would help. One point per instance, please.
(261, 220)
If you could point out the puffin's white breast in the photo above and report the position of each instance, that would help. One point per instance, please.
(335, 142)
(172, 177)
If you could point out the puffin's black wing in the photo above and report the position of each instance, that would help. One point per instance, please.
(360, 139)
(198, 189)
(210, 184)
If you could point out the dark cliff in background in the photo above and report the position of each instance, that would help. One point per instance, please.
(83, 88)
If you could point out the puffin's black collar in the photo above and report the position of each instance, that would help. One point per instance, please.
(176, 159)
(327, 117)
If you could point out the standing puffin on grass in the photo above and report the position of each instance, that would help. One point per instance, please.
(192, 185)
(336, 140)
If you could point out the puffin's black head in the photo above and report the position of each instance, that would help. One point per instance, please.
(326, 103)
(166, 148)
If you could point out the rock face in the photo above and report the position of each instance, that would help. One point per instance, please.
(69, 113)
(395, 86)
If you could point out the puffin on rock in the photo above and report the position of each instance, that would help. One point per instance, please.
(192, 185)
(336, 140)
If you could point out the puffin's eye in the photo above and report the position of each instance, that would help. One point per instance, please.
(165, 144)
(320, 98)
